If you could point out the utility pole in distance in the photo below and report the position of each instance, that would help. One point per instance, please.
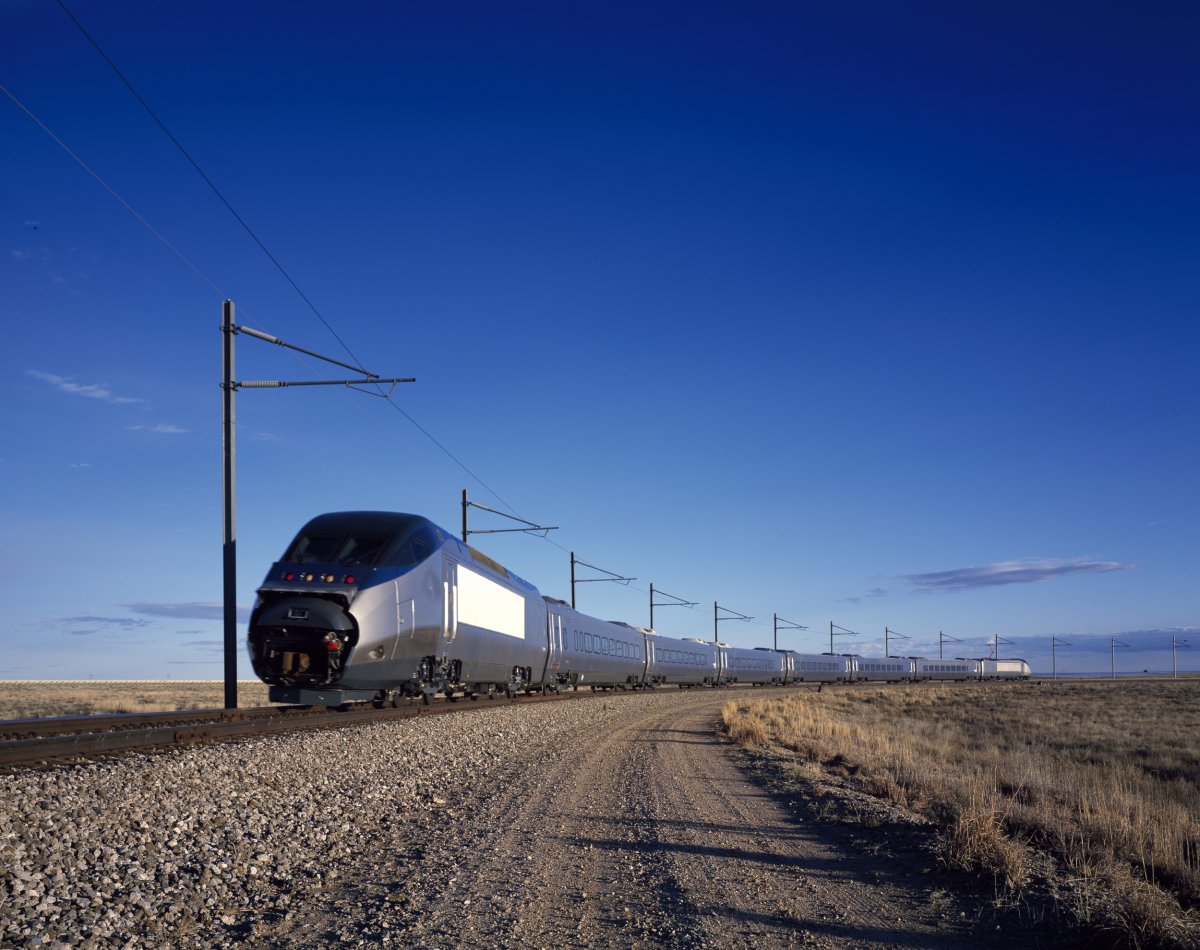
(615, 578)
(785, 625)
(1054, 642)
(673, 602)
(540, 530)
(717, 618)
(893, 635)
(942, 638)
(1116, 643)
(843, 633)
(229, 387)
(1174, 667)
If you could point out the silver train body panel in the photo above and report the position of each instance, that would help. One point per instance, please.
(958, 668)
(758, 667)
(688, 662)
(821, 668)
(884, 669)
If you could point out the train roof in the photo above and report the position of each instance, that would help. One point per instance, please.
(368, 521)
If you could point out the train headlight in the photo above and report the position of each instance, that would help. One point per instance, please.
(328, 578)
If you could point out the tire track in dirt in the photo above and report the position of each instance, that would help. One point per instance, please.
(759, 874)
(635, 827)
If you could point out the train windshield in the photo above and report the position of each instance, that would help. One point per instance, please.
(347, 549)
(360, 542)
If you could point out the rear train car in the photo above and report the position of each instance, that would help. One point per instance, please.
(1015, 669)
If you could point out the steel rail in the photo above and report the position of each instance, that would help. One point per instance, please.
(103, 722)
(46, 749)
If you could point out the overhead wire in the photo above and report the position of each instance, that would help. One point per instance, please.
(208, 181)
(254, 236)
(112, 191)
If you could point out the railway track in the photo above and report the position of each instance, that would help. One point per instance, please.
(33, 743)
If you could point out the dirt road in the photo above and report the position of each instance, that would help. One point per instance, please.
(637, 827)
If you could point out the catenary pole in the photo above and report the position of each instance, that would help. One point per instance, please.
(229, 483)
(229, 387)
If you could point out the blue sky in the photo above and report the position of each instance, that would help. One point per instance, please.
(874, 314)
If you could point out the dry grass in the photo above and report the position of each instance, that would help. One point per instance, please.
(1102, 777)
(33, 699)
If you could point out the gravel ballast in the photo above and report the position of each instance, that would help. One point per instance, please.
(190, 847)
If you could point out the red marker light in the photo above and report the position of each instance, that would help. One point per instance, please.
(289, 576)
(349, 579)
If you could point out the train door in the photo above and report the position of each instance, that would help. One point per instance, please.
(406, 623)
(554, 637)
(449, 605)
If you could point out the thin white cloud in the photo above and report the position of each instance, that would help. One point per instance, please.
(872, 593)
(89, 390)
(87, 625)
(193, 610)
(1028, 571)
(163, 428)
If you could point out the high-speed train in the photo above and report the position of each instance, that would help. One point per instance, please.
(369, 606)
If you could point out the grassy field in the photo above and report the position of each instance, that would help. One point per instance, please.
(35, 699)
(1088, 791)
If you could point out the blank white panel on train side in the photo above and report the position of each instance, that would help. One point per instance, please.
(484, 603)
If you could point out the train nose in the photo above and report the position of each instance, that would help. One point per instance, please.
(301, 641)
